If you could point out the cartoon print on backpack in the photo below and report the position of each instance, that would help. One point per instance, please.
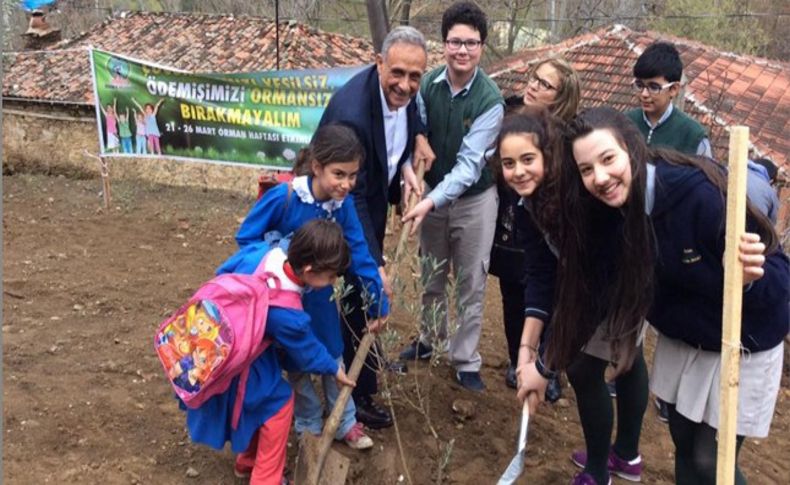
(193, 344)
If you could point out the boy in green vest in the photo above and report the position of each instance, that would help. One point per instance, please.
(657, 75)
(463, 110)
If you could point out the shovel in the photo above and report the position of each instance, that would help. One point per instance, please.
(317, 463)
(516, 466)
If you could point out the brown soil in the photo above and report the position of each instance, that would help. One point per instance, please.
(85, 400)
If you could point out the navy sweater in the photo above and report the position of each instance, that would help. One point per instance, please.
(688, 219)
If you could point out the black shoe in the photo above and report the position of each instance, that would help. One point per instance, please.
(612, 388)
(417, 350)
(510, 377)
(470, 381)
(553, 390)
(371, 414)
(398, 367)
(663, 410)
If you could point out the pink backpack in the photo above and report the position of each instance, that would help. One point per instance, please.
(217, 335)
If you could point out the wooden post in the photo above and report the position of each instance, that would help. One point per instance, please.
(105, 181)
(333, 421)
(733, 299)
(104, 170)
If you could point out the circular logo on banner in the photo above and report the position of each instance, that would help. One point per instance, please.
(119, 69)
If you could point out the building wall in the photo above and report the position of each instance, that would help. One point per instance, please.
(54, 140)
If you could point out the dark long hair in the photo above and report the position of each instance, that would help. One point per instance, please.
(621, 298)
(605, 272)
(546, 130)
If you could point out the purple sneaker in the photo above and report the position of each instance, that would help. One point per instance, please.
(628, 470)
(586, 479)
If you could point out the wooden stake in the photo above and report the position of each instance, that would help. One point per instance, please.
(104, 170)
(733, 299)
(105, 181)
(333, 421)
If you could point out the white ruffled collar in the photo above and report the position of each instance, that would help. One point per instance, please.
(301, 186)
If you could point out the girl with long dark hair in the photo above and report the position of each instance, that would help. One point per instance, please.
(553, 84)
(656, 220)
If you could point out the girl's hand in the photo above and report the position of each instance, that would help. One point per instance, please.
(531, 386)
(526, 355)
(418, 213)
(342, 379)
(751, 254)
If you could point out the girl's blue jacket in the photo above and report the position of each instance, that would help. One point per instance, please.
(688, 218)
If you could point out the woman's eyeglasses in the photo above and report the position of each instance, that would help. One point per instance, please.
(543, 85)
(470, 44)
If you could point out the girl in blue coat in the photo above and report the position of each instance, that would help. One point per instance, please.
(333, 160)
(317, 254)
(661, 215)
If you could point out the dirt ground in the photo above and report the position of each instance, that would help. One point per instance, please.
(85, 399)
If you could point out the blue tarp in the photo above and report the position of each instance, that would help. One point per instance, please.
(30, 5)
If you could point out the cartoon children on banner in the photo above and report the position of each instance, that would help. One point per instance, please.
(111, 125)
(151, 127)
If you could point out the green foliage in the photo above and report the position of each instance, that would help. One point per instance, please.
(713, 22)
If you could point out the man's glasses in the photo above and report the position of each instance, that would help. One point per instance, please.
(470, 44)
(543, 85)
(652, 88)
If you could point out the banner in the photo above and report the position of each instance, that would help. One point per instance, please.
(261, 118)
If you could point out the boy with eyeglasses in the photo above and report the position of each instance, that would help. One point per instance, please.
(657, 75)
(463, 110)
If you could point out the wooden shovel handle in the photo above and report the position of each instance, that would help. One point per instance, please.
(404, 233)
(333, 421)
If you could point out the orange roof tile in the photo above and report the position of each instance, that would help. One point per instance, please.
(192, 42)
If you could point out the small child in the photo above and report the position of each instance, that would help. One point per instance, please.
(316, 255)
(111, 124)
(657, 76)
(125, 132)
(139, 133)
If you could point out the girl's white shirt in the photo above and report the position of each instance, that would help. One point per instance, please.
(275, 260)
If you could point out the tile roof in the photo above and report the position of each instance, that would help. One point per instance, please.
(723, 88)
(204, 42)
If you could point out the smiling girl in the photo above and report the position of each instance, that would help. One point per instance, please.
(530, 153)
(660, 216)
(552, 84)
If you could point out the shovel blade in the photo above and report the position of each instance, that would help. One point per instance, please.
(516, 467)
(334, 471)
(513, 471)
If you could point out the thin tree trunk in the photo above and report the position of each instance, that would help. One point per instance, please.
(377, 20)
(405, 12)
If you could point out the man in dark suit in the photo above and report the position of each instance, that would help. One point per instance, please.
(378, 103)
